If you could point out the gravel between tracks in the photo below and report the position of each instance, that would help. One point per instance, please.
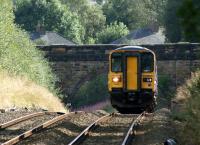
(10, 115)
(21, 127)
(62, 132)
(110, 132)
(153, 131)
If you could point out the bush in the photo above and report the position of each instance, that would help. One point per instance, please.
(18, 55)
(91, 92)
(165, 92)
(189, 95)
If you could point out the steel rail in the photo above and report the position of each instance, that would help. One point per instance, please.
(20, 119)
(131, 132)
(38, 128)
(86, 131)
(24, 118)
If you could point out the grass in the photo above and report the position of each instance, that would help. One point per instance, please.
(25, 76)
(189, 96)
(20, 92)
(18, 55)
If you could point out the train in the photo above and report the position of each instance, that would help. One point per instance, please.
(132, 79)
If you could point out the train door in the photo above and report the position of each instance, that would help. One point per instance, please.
(132, 73)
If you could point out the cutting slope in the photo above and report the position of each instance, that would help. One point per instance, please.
(19, 92)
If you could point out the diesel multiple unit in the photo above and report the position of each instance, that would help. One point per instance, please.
(132, 79)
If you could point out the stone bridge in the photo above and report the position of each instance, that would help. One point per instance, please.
(76, 64)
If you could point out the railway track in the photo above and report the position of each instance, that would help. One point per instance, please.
(110, 129)
(9, 129)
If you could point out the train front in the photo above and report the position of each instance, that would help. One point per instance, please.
(132, 79)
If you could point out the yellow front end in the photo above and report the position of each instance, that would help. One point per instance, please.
(132, 73)
(148, 81)
(132, 78)
(115, 80)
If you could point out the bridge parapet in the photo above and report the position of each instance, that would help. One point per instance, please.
(73, 63)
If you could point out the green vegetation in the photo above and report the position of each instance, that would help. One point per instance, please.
(189, 95)
(181, 20)
(83, 22)
(18, 56)
(172, 21)
(165, 92)
(51, 15)
(90, 16)
(112, 32)
(91, 92)
(25, 75)
(133, 13)
(190, 20)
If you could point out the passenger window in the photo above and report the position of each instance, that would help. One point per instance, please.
(116, 62)
(147, 62)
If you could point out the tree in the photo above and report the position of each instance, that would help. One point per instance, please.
(51, 14)
(133, 13)
(172, 25)
(112, 32)
(190, 20)
(155, 10)
(90, 16)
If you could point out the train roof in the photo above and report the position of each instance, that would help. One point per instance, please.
(136, 48)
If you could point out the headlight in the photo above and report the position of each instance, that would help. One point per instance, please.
(147, 79)
(116, 79)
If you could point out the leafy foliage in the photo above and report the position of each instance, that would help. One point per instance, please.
(156, 9)
(190, 20)
(134, 13)
(91, 92)
(172, 21)
(182, 20)
(100, 2)
(18, 56)
(81, 22)
(52, 15)
(112, 32)
(90, 16)
(165, 93)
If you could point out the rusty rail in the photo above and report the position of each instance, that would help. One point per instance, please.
(24, 118)
(131, 132)
(38, 128)
(85, 132)
(20, 119)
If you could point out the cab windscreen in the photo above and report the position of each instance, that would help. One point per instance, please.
(116, 62)
(147, 62)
